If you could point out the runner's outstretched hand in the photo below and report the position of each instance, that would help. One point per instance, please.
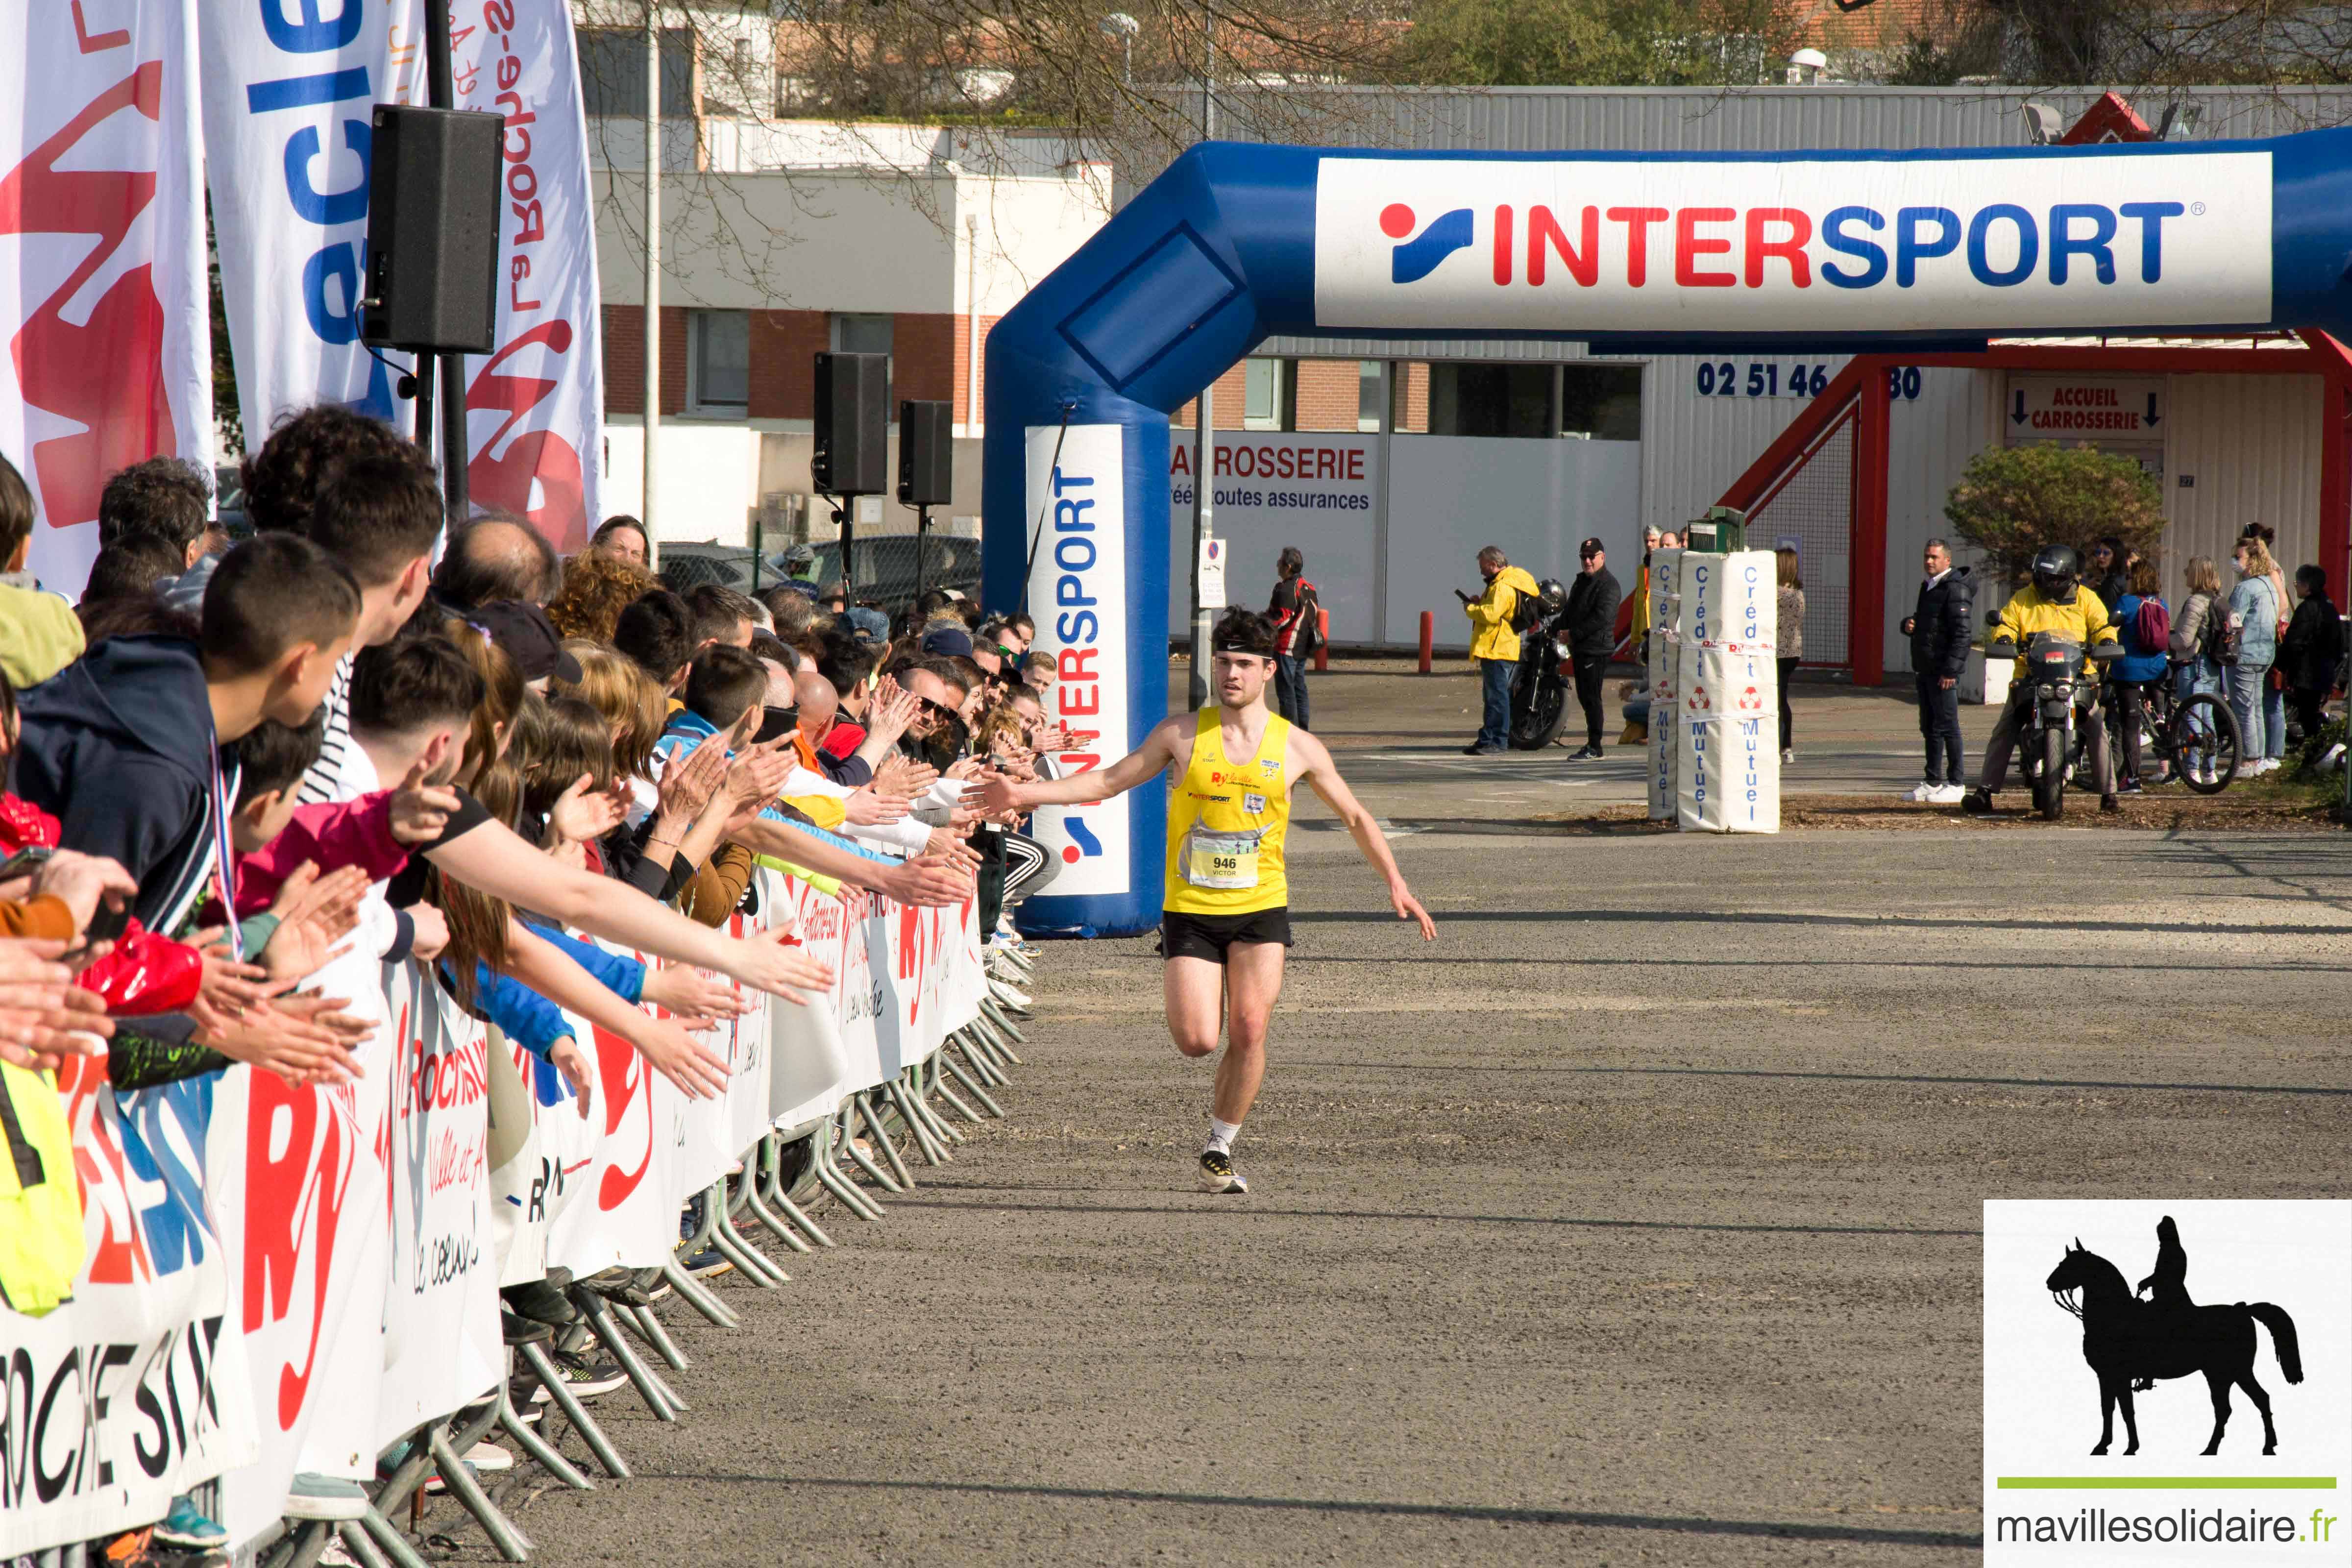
(1408, 908)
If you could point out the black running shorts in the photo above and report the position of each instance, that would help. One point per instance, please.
(1185, 935)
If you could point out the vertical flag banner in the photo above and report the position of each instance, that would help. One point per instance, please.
(288, 124)
(102, 296)
(535, 407)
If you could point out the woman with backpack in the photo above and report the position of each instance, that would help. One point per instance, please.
(2249, 646)
(2312, 650)
(1296, 615)
(2146, 633)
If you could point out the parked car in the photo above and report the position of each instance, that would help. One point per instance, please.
(885, 566)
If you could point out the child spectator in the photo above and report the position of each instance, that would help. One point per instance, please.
(125, 747)
(38, 634)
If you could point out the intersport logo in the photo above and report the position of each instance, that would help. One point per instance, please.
(1834, 245)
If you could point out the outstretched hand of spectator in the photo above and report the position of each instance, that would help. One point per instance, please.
(432, 932)
(771, 963)
(44, 1016)
(931, 881)
(902, 774)
(693, 998)
(230, 985)
(582, 812)
(313, 912)
(84, 881)
(757, 775)
(891, 712)
(688, 782)
(869, 808)
(323, 1012)
(566, 1057)
(699, 1074)
(420, 811)
(295, 1048)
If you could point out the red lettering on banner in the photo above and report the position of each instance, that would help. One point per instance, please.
(540, 458)
(1581, 259)
(92, 43)
(121, 1256)
(1690, 244)
(1790, 249)
(293, 1206)
(625, 1083)
(103, 377)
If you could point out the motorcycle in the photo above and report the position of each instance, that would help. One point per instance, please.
(2053, 666)
(1539, 688)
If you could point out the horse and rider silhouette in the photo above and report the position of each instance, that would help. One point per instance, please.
(2130, 1342)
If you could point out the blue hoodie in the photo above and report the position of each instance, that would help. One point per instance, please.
(118, 746)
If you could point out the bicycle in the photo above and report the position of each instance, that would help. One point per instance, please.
(2195, 738)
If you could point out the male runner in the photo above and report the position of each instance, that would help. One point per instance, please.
(1227, 917)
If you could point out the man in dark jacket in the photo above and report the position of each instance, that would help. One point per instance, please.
(1590, 625)
(1940, 634)
(123, 746)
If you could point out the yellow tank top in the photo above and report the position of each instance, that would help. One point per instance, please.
(1226, 824)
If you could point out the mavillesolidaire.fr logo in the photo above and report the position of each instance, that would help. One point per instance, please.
(2168, 1380)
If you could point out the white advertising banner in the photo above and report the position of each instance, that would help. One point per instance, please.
(442, 1347)
(809, 1064)
(296, 1181)
(626, 1211)
(1872, 243)
(105, 329)
(1666, 692)
(1727, 747)
(132, 1390)
(1314, 490)
(289, 95)
(1077, 591)
(535, 405)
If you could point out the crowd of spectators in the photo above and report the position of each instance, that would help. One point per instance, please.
(362, 730)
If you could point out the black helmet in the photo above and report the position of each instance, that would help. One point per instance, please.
(2055, 569)
(1550, 595)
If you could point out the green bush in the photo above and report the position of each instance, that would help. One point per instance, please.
(2012, 501)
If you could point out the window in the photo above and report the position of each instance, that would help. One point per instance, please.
(1600, 401)
(1490, 399)
(719, 361)
(867, 334)
(613, 71)
(1262, 395)
(1367, 394)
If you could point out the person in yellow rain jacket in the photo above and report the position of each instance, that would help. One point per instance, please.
(2057, 604)
(1495, 644)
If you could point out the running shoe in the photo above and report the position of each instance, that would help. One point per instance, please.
(584, 1380)
(2129, 787)
(1217, 1172)
(1587, 754)
(1788, 756)
(708, 1264)
(1922, 791)
(1947, 795)
(314, 1496)
(187, 1530)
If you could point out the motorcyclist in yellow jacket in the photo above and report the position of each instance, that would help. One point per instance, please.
(2059, 605)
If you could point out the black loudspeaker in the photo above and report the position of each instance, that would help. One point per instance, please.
(433, 230)
(926, 453)
(853, 417)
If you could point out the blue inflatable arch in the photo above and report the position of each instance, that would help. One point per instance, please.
(1667, 252)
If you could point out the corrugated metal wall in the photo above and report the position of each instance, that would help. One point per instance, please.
(2251, 443)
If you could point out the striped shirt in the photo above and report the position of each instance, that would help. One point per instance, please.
(325, 781)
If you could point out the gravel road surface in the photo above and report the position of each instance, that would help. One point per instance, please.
(1637, 1221)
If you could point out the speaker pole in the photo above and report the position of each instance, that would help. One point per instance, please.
(440, 92)
(922, 538)
(422, 377)
(845, 526)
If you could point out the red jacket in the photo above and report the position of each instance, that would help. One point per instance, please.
(333, 835)
(145, 974)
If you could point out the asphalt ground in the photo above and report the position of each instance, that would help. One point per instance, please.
(1637, 1220)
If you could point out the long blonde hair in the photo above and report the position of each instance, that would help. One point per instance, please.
(631, 700)
(2258, 559)
(2203, 577)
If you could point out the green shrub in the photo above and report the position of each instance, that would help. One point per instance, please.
(2013, 501)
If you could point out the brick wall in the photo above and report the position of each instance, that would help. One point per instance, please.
(784, 346)
(962, 326)
(624, 359)
(1232, 395)
(1412, 396)
(922, 356)
(1328, 389)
